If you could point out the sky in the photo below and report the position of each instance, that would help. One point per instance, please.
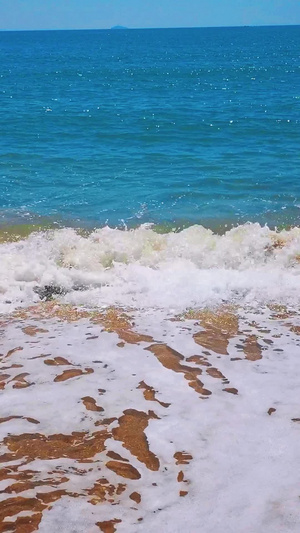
(94, 14)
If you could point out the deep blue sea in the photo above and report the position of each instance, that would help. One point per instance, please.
(174, 126)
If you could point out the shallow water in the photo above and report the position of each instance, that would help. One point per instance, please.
(143, 421)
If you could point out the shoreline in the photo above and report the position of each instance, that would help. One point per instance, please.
(143, 420)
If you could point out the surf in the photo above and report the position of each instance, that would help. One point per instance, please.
(142, 268)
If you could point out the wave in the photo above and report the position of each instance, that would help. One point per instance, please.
(142, 268)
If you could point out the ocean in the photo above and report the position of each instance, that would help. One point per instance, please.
(177, 126)
(150, 280)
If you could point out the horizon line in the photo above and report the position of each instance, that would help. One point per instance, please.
(125, 28)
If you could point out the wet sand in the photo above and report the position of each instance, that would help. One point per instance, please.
(129, 421)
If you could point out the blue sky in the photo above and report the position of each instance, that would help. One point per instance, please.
(68, 14)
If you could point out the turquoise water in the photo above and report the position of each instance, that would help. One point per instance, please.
(165, 126)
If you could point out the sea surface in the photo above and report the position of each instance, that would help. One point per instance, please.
(163, 126)
(151, 132)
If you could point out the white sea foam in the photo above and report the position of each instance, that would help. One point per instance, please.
(142, 268)
(241, 473)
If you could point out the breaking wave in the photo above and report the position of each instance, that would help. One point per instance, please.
(142, 268)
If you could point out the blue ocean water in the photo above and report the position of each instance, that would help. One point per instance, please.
(165, 126)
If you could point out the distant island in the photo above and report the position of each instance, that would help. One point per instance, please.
(119, 28)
